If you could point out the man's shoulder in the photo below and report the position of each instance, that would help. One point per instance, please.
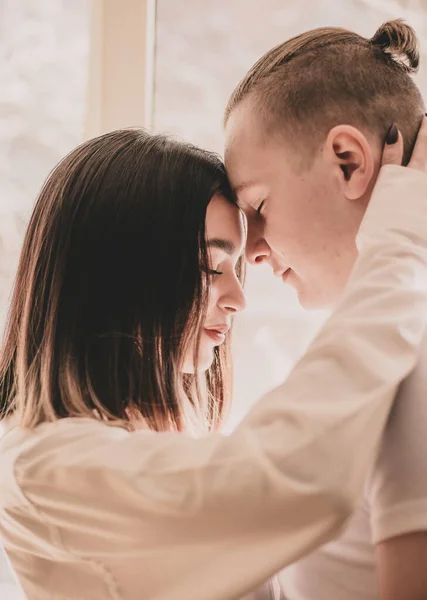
(406, 429)
(396, 489)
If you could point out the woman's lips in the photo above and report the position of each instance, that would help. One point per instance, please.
(217, 333)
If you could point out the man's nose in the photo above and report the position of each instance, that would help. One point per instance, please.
(257, 249)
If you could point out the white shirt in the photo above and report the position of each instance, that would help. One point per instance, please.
(394, 503)
(92, 512)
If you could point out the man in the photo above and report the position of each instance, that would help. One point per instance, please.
(304, 133)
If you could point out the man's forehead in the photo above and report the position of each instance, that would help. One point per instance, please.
(244, 155)
(235, 145)
(246, 179)
(241, 129)
(241, 163)
(245, 173)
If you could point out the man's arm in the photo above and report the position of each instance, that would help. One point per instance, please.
(228, 512)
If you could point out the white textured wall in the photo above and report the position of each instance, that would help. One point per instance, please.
(43, 65)
(203, 49)
(44, 51)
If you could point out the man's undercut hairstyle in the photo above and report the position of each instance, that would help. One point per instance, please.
(331, 76)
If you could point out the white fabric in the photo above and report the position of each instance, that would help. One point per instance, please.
(394, 503)
(9, 590)
(89, 511)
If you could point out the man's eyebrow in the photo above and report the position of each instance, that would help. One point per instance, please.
(224, 245)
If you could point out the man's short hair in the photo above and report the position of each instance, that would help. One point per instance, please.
(331, 76)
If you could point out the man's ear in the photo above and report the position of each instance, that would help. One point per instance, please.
(351, 153)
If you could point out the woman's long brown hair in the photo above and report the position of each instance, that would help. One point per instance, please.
(111, 286)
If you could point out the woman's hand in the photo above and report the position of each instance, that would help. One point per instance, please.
(393, 149)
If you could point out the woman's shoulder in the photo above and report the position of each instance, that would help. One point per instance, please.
(59, 456)
(62, 443)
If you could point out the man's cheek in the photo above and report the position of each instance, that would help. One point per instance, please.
(279, 231)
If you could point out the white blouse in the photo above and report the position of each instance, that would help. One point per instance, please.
(92, 512)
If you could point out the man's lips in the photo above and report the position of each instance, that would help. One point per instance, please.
(286, 274)
(283, 273)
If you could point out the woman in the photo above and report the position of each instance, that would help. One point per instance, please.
(116, 344)
(112, 289)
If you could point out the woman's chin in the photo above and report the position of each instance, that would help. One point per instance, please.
(204, 363)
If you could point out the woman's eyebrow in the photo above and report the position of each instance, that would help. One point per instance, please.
(224, 245)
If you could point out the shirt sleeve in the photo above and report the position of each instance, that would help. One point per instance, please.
(224, 513)
(397, 487)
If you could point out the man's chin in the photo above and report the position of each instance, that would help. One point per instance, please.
(310, 299)
(315, 295)
(311, 303)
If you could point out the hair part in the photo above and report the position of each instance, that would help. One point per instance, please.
(330, 76)
(111, 287)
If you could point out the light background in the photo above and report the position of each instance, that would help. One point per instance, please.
(203, 48)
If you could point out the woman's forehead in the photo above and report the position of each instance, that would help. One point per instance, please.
(225, 225)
